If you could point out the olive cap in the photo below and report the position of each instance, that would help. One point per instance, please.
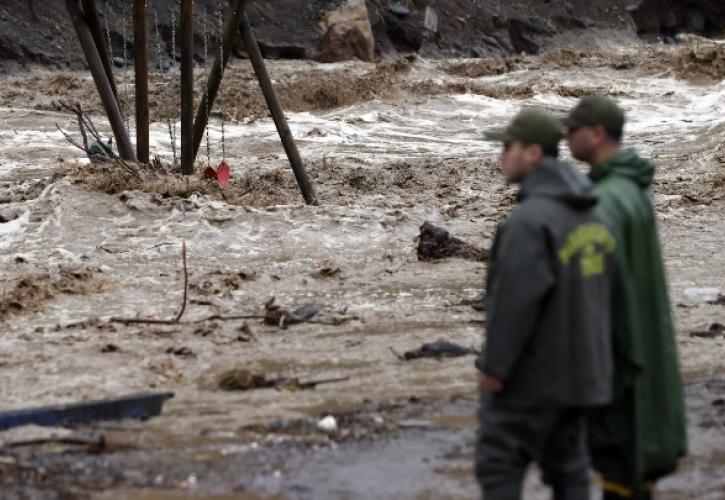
(596, 110)
(530, 126)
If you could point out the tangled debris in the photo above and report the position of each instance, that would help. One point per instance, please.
(435, 243)
(242, 379)
(278, 316)
(438, 350)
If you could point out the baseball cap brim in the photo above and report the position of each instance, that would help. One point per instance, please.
(496, 135)
(570, 122)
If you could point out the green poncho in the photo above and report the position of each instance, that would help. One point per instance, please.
(641, 436)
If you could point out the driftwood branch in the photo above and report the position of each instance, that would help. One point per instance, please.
(177, 319)
(86, 125)
(72, 141)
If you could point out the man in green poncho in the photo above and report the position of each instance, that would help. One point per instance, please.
(640, 437)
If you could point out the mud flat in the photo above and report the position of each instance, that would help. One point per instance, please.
(384, 163)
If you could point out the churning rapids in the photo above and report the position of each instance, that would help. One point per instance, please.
(77, 247)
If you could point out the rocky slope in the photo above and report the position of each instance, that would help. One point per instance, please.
(34, 32)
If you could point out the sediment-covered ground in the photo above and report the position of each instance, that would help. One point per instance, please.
(388, 148)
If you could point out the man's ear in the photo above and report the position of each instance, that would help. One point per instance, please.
(535, 153)
(600, 134)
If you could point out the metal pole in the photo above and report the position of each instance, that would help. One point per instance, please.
(255, 56)
(94, 24)
(215, 75)
(141, 64)
(187, 87)
(110, 104)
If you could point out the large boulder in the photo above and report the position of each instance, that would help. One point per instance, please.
(348, 33)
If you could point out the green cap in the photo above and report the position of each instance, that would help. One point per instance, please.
(531, 126)
(596, 110)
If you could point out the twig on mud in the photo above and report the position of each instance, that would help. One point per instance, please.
(177, 319)
(218, 317)
(186, 282)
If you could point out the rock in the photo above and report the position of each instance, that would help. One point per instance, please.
(327, 424)
(8, 216)
(716, 330)
(436, 243)
(348, 34)
(702, 294)
(399, 10)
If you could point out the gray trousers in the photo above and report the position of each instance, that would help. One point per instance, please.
(510, 439)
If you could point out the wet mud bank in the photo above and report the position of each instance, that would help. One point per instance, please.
(406, 449)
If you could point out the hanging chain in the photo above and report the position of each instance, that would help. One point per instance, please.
(172, 138)
(172, 126)
(127, 80)
(159, 62)
(205, 34)
(107, 15)
(220, 35)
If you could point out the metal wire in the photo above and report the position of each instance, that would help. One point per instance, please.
(220, 36)
(205, 35)
(127, 80)
(157, 33)
(170, 123)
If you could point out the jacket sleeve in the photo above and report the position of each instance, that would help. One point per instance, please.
(524, 275)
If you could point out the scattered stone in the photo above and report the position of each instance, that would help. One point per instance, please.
(8, 215)
(478, 302)
(702, 294)
(719, 301)
(436, 243)
(327, 272)
(716, 330)
(183, 352)
(327, 424)
(399, 9)
(108, 348)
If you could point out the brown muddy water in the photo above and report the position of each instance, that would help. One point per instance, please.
(83, 243)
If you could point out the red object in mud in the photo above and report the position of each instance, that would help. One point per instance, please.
(221, 174)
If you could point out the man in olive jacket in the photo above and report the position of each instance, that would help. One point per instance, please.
(641, 436)
(547, 357)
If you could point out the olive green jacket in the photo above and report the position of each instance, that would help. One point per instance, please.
(642, 435)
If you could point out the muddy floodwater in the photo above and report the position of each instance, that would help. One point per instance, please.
(81, 243)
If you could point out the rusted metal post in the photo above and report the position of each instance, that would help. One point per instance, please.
(141, 65)
(215, 75)
(103, 85)
(187, 87)
(293, 154)
(94, 24)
